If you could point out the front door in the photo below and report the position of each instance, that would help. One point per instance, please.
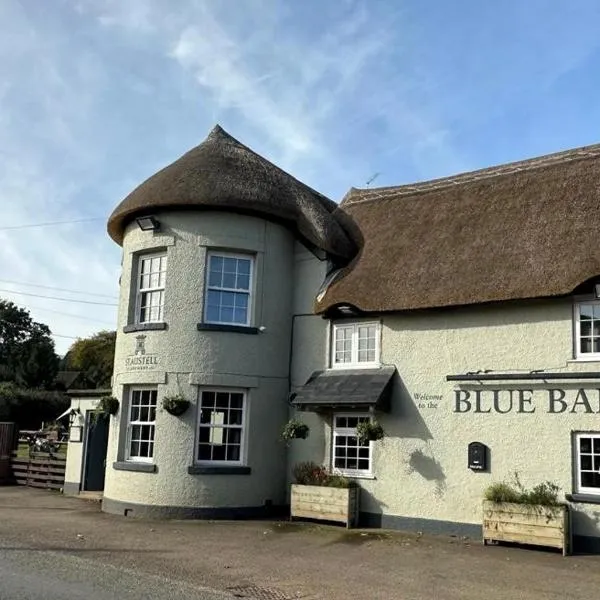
(95, 451)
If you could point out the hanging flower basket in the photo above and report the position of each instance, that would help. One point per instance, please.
(107, 405)
(175, 405)
(369, 431)
(294, 430)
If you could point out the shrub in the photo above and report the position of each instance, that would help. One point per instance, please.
(310, 473)
(544, 494)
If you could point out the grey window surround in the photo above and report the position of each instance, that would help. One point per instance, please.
(144, 327)
(219, 470)
(231, 328)
(140, 467)
(582, 498)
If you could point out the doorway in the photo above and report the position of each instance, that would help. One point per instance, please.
(96, 445)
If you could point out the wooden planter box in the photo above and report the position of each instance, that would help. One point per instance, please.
(325, 503)
(527, 524)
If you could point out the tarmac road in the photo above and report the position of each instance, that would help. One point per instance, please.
(28, 574)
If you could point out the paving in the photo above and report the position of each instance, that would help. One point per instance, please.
(62, 541)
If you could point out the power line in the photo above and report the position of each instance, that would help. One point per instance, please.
(51, 223)
(65, 314)
(51, 334)
(59, 299)
(58, 289)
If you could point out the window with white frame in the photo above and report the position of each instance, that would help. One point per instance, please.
(355, 345)
(350, 457)
(228, 289)
(587, 463)
(152, 270)
(141, 424)
(587, 329)
(221, 424)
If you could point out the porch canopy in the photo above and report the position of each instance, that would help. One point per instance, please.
(346, 389)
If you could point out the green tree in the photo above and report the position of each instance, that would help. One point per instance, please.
(27, 355)
(94, 356)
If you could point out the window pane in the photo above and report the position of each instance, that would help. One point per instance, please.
(585, 328)
(204, 452)
(585, 444)
(233, 453)
(596, 309)
(596, 443)
(215, 278)
(590, 479)
(596, 344)
(241, 300)
(229, 280)
(243, 282)
(244, 266)
(240, 315)
(226, 315)
(586, 462)
(586, 345)
(216, 263)
(222, 400)
(237, 400)
(208, 399)
(212, 313)
(585, 311)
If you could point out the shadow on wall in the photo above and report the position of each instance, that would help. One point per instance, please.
(585, 523)
(404, 419)
(429, 468)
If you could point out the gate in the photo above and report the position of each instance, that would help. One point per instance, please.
(7, 445)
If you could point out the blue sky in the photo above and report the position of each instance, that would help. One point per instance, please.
(96, 95)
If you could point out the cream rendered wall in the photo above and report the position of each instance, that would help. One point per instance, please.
(310, 341)
(420, 468)
(188, 359)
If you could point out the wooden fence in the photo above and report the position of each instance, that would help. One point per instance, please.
(7, 445)
(40, 471)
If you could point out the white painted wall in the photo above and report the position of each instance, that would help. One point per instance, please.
(421, 466)
(188, 358)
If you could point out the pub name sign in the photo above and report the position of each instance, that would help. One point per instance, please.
(552, 401)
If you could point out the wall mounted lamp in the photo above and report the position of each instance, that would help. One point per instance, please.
(597, 290)
(148, 223)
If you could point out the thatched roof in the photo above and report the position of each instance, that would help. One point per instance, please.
(524, 230)
(223, 174)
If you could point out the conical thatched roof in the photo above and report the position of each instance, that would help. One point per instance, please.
(223, 174)
(523, 230)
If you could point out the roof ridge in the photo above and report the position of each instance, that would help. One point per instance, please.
(529, 164)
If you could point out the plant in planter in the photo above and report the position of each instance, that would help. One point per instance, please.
(295, 430)
(512, 513)
(175, 405)
(319, 494)
(369, 431)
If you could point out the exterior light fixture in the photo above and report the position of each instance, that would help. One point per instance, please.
(148, 223)
(597, 290)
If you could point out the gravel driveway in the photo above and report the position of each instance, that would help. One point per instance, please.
(280, 561)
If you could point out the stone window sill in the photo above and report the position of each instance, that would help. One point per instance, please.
(140, 467)
(583, 498)
(230, 328)
(144, 327)
(219, 470)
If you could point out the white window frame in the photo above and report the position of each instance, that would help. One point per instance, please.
(249, 291)
(354, 362)
(349, 431)
(139, 291)
(581, 489)
(242, 428)
(130, 424)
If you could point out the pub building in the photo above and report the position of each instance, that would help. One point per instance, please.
(455, 311)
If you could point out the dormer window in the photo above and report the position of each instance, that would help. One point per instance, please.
(587, 329)
(355, 345)
(228, 289)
